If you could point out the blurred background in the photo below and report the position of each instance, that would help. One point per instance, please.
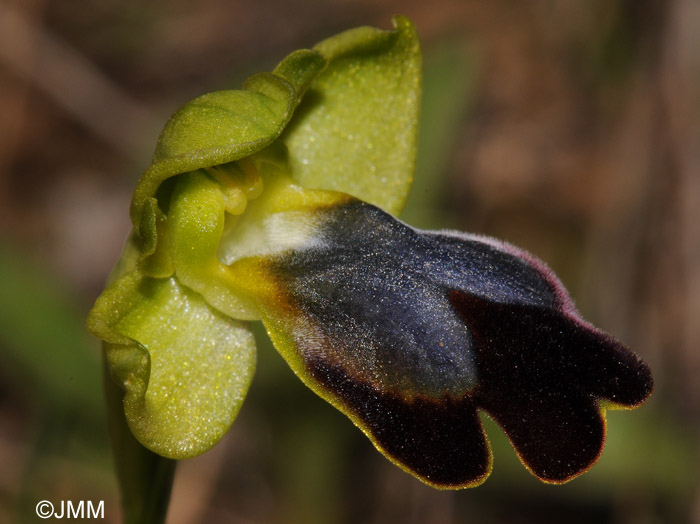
(570, 128)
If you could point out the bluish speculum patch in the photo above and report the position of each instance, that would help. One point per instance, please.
(411, 333)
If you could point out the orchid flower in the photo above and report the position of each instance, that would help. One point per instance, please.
(278, 203)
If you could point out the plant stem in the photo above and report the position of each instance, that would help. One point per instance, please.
(145, 479)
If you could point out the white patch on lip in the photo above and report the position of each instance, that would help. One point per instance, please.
(283, 231)
(295, 230)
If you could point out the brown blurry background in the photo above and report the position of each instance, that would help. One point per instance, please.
(570, 128)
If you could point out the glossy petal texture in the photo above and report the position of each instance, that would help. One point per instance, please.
(186, 377)
(355, 130)
(411, 333)
(224, 126)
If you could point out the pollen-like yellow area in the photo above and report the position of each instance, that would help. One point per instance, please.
(280, 215)
(226, 213)
(253, 182)
(234, 200)
(253, 280)
(240, 182)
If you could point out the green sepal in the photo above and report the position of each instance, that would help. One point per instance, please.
(356, 129)
(224, 126)
(184, 367)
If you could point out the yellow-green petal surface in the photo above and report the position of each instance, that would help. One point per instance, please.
(355, 130)
(185, 368)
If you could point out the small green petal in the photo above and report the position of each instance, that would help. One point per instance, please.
(224, 126)
(185, 368)
(355, 130)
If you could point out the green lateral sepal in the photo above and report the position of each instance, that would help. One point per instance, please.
(184, 367)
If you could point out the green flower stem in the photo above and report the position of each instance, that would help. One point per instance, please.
(145, 478)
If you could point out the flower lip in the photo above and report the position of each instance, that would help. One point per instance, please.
(412, 333)
(543, 379)
(440, 441)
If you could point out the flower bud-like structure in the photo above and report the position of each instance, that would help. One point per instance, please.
(277, 203)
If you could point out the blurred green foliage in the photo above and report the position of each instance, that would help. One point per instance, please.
(48, 360)
(45, 345)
